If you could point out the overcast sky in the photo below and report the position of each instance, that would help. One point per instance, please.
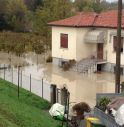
(111, 0)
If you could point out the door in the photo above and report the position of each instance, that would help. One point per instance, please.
(100, 50)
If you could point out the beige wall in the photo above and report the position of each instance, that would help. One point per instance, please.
(84, 49)
(111, 55)
(59, 52)
(77, 48)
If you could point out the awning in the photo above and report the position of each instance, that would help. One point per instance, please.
(95, 36)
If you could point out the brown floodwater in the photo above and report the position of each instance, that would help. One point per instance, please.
(82, 87)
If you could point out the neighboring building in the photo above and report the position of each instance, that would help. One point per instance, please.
(87, 35)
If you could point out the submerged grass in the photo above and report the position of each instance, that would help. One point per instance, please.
(27, 111)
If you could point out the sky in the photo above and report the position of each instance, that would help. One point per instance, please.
(111, 0)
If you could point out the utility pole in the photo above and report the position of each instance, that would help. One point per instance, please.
(118, 49)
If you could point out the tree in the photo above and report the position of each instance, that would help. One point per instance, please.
(3, 22)
(90, 5)
(3, 4)
(51, 10)
(33, 4)
(17, 15)
(98, 6)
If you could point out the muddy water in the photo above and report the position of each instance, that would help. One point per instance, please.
(82, 87)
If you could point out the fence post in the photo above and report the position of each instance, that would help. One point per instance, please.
(30, 82)
(4, 71)
(21, 78)
(42, 87)
(18, 80)
(0, 69)
(64, 93)
(53, 93)
(68, 99)
(57, 95)
(12, 74)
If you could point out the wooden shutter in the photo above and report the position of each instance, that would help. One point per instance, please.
(114, 43)
(64, 40)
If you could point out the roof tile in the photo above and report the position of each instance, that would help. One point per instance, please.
(81, 19)
(85, 19)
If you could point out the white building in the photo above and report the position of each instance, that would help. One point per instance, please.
(87, 35)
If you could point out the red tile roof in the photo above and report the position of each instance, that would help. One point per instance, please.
(81, 19)
(108, 19)
(91, 19)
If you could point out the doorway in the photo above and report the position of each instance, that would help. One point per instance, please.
(100, 51)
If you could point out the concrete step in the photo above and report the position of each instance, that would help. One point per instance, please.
(85, 66)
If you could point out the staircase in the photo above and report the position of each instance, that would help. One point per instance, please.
(86, 65)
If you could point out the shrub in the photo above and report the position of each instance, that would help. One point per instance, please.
(49, 59)
(67, 65)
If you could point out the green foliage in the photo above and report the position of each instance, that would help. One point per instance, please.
(51, 10)
(27, 111)
(90, 5)
(33, 15)
(103, 102)
(3, 21)
(33, 4)
(17, 14)
(38, 47)
(3, 4)
(19, 43)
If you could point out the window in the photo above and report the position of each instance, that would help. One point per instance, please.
(64, 40)
(115, 43)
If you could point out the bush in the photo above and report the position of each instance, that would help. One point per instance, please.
(49, 59)
(72, 62)
(67, 65)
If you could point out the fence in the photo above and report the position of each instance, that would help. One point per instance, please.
(28, 82)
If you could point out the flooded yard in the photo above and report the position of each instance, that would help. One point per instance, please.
(82, 87)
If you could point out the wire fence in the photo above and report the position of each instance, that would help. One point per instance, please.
(28, 82)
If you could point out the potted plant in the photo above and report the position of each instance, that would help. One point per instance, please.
(102, 103)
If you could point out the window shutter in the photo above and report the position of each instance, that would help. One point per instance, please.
(64, 40)
(114, 43)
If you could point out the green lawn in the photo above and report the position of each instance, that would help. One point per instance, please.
(27, 111)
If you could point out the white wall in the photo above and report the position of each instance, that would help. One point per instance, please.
(57, 51)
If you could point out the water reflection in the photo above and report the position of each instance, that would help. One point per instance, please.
(82, 87)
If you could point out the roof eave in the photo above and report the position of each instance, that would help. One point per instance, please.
(111, 27)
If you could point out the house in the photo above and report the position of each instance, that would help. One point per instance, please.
(88, 35)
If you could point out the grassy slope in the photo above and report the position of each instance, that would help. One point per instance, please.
(27, 111)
